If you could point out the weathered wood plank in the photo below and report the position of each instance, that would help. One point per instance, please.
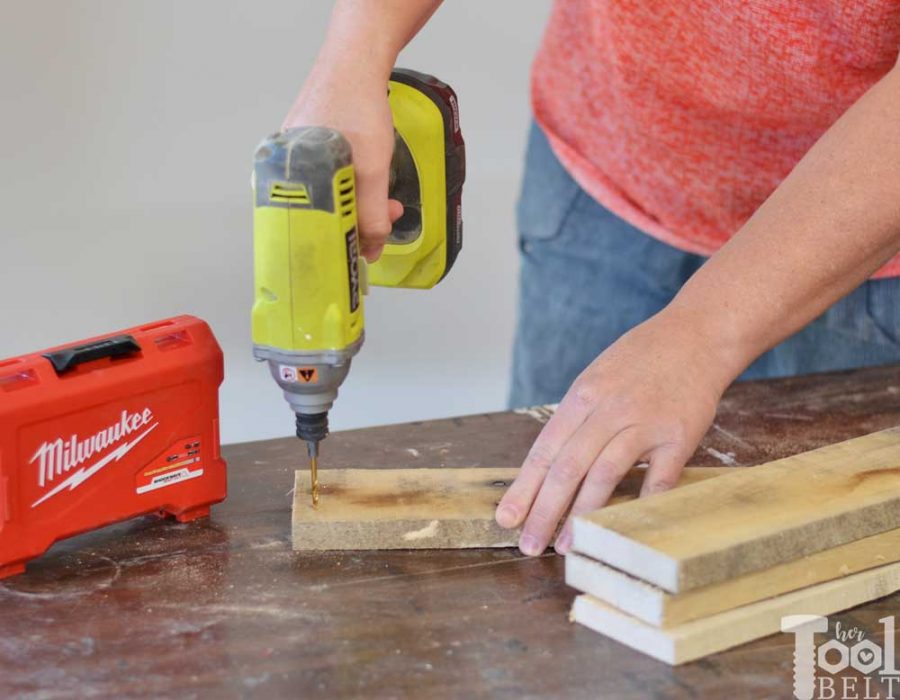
(657, 607)
(708, 635)
(752, 519)
(417, 508)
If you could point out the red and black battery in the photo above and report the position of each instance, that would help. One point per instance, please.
(107, 429)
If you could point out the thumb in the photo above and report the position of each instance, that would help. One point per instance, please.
(371, 251)
(395, 209)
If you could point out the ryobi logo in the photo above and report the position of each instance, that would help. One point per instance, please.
(353, 268)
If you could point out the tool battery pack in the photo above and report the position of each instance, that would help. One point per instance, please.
(105, 430)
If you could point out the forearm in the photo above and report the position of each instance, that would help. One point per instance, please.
(367, 35)
(832, 222)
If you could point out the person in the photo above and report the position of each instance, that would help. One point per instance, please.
(711, 191)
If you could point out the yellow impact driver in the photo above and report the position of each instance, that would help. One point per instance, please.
(309, 277)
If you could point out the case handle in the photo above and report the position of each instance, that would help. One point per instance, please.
(68, 358)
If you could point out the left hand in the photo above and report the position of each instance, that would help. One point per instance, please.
(651, 396)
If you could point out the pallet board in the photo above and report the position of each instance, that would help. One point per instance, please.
(694, 640)
(751, 519)
(657, 607)
(417, 508)
(401, 509)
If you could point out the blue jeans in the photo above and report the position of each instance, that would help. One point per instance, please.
(587, 277)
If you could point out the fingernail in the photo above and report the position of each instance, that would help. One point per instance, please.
(529, 545)
(563, 542)
(654, 488)
(506, 516)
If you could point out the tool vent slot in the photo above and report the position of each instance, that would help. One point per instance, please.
(346, 197)
(295, 194)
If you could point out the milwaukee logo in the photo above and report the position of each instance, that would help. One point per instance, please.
(58, 457)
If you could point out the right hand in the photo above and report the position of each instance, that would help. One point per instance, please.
(357, 106)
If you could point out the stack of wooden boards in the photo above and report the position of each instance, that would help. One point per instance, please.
(714, 564)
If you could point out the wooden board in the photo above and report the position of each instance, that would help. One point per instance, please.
(752, 519)
(694, 640)
(418, 508)
(656, 607)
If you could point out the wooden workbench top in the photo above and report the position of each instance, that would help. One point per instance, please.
(223, 608)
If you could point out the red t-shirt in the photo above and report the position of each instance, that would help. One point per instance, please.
(682, 117)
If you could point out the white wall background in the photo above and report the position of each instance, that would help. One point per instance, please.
(128, 128)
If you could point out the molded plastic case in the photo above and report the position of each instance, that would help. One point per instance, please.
(107, 429)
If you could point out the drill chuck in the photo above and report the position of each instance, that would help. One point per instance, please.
(312, 427)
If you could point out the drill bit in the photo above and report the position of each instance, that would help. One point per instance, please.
(312, 447)
(312, 429)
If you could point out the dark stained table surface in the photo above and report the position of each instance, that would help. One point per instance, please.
(224, 608)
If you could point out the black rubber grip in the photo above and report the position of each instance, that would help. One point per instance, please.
(312, 427)
(68, 358)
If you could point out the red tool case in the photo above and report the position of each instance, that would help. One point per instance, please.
(113, 427)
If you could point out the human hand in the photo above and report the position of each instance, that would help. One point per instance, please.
(651, 396)
(356, 104)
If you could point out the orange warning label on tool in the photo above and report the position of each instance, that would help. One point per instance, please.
(304, 375)
(307, 375)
